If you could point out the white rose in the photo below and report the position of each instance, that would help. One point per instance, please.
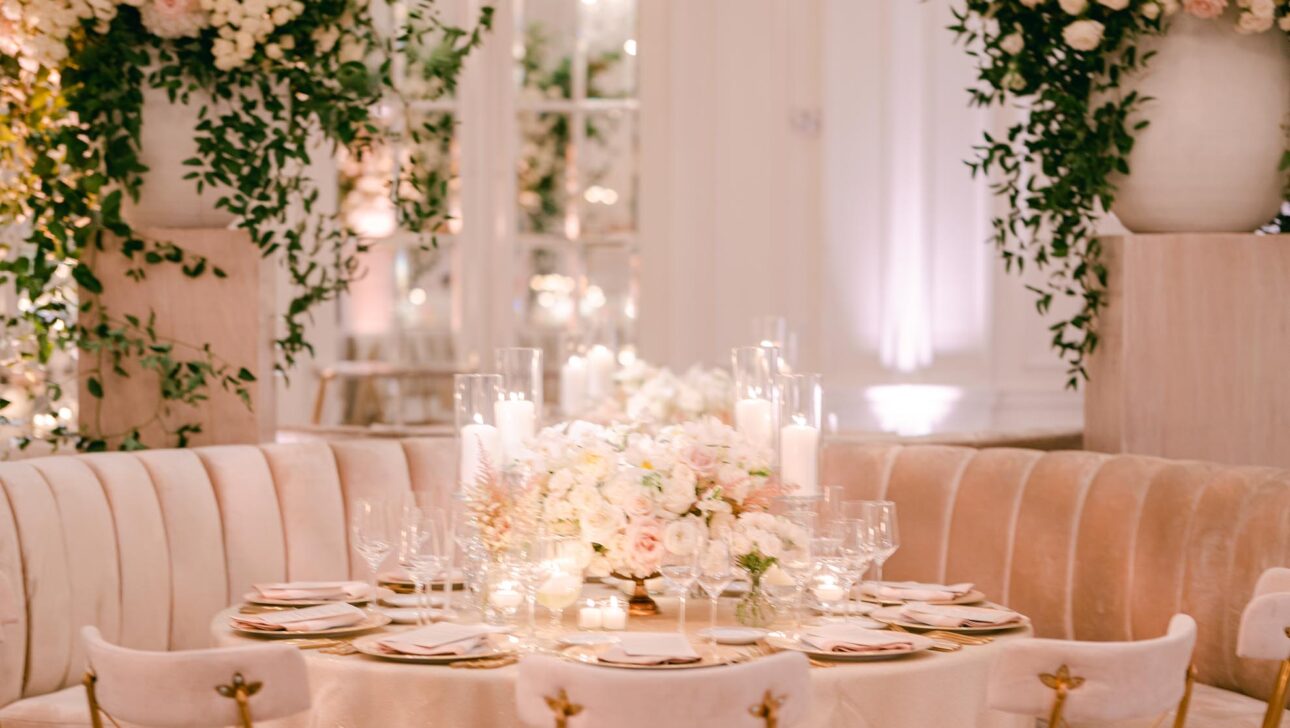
(1073, 7)
(1263, 8)
(1013, 81)
(1250, 23)
(1170, 7)
(602, 523)
(682, 537)
(1083, 35)
(599, 566)
(1151, 11)
(274, 51)
(721, 524)
(1114, 4)
(679, 489)
(1012, 44)
(766, 542)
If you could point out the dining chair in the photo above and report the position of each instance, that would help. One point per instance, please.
(193, 688)
(1096, 682)
(769, 692)
(1265, 635)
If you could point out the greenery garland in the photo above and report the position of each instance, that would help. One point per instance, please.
(1063, 63)
(280, 77)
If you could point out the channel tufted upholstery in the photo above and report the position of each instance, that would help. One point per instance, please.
(1091, 546)
(148, 546)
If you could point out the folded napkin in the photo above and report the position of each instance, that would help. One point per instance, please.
(851, 639)
(946, 616)
(313, 590)
(309, 619)
(913, 591)
(650, 648)
(443, 638)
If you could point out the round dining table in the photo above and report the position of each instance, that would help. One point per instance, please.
(916, 691)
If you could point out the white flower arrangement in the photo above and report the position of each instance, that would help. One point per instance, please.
(651, 396)
(633, 497)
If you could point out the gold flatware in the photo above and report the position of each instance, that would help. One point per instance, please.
(938, 645)
(312, 644)
(821, 663)
(344, 648)
(962, 638)
(486, 663)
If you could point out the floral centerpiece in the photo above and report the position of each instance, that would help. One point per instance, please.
(650, 396)
(633, 497)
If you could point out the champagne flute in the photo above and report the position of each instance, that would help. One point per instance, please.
(680, 572)
(883, 531)
(856, 553)
(716, 571)
(796, 558)
(372, 533)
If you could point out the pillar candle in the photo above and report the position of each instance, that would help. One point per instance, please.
(600, 373)
(479, 444)
(754, 421)
(516, 424)
(573, 386)
(799, 458)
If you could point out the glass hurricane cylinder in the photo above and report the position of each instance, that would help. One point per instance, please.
(479, 442)
(519, 402)
(801, 405)
(755, 407)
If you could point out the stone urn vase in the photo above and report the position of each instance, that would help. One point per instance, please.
(166, 199)
(1218, 104)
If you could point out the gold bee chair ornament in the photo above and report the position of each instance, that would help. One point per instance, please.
(562, 708)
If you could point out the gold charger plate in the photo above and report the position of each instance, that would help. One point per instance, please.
(783, 642)
(495, 646)
(371, 621)
(973, 597)
(891, 615)
(590, 655)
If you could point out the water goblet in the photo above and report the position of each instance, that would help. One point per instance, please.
(884, 532)
(796, 557)
(560, 580)
(716, 571)
(679, 572)
(372, 533)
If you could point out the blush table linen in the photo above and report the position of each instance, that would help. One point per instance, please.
(927, 689)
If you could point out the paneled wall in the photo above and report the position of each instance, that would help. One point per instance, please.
(806, 158)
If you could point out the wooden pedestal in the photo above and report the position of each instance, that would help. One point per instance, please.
(1194, 360)
(234, 315)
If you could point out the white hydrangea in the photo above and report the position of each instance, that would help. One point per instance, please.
(174, 18)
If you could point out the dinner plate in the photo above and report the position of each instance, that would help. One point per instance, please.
(408, 615)
(402, 585)
(591, 656)
(782, 642)
(973, 597)
(733, 635)
(410, 600)
(858, 621)
(892, 615)
(371, 621)
(495, 646)
(253, 597)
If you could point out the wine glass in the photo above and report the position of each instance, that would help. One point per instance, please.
(856, 553)
(560, 580)
(421, 553)
(372, 533)
(884, 533)
(680, 572)
(796, 558)
(716, 571)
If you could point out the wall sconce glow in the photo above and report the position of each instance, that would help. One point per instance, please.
(596, 194)
(911, 410)
(629, 46)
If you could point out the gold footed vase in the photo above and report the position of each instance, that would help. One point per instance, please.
(640, 603)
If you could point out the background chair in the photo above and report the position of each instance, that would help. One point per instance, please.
(193, 688)
(1265, 635)
(771, 692)
(1096, 682)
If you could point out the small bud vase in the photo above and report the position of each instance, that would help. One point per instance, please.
(755, 608)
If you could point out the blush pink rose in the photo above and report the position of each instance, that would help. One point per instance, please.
(702, 460)
(645, 545)
(1205, 9)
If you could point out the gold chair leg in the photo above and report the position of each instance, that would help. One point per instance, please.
(1180, 719)
(768, 709)
(1061, 683)
(562, 709)
(96, 721)
(240, 691)
(1277, 702)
